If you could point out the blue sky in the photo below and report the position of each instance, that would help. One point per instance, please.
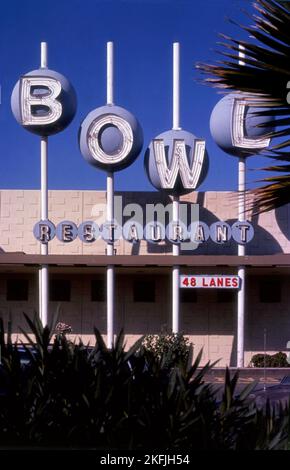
(143, 32)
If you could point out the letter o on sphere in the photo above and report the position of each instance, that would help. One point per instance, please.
(110, 138)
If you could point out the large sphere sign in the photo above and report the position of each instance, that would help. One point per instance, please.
(176, 162)
(236, 126)
(44, 102)
(110, 138)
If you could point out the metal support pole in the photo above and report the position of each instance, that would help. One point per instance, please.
(44, 55)
(43, 274)
(110, 72)
(241, 248)
(265, 342)
(176, 85)
(110, 207)
(175, 274)
(175, 205)
(241, 269)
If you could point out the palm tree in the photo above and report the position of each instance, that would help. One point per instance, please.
(266, 73)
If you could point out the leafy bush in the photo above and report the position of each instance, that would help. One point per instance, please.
(275, 360)
(73, 396)
(172, 348)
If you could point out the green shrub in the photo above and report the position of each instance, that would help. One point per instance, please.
(172, 348)
(71, 396)
(275, 360)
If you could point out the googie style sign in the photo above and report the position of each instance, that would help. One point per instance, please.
(110, 138)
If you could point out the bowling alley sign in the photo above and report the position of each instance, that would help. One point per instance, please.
(111, 138)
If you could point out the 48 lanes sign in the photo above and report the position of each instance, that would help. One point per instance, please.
(206, 281)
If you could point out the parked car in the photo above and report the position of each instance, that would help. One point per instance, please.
(25, 359)
(278, 393)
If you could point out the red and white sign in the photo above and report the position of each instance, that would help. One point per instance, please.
(207, 281)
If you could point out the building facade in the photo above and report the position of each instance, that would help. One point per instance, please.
(143, 274)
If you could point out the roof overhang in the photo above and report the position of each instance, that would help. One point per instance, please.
(22, 259)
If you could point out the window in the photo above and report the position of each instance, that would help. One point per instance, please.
(59, 290)
(227, 296)
(270, 290)
(98, 289)
(188, 296)
(17, 289)
(144, 291)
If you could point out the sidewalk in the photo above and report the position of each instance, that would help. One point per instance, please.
(268, 383)
(249, 374)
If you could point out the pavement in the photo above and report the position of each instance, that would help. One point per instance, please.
(270, 385)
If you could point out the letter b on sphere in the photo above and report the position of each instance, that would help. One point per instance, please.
(43, 102)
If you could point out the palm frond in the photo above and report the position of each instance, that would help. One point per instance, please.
(266, 74)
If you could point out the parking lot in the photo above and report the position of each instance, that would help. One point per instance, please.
(272, 385)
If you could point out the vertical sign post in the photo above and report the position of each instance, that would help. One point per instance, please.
(110, 138)
(110, 206)
(178, 170)
(43, 102)
(241, 249)
(43, 273)
(175, 205)
(237, 129)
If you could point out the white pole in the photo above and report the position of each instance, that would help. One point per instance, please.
(176, 85)
(43, 55)
(110, 207)
(241, 269)
(110, 72)
(265, 342)
(175, 274)
(175, 205)
(242, 54)
(43, 277)
(241, 249)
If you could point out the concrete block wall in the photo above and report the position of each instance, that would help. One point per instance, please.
(208, 324)
(19, 211)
